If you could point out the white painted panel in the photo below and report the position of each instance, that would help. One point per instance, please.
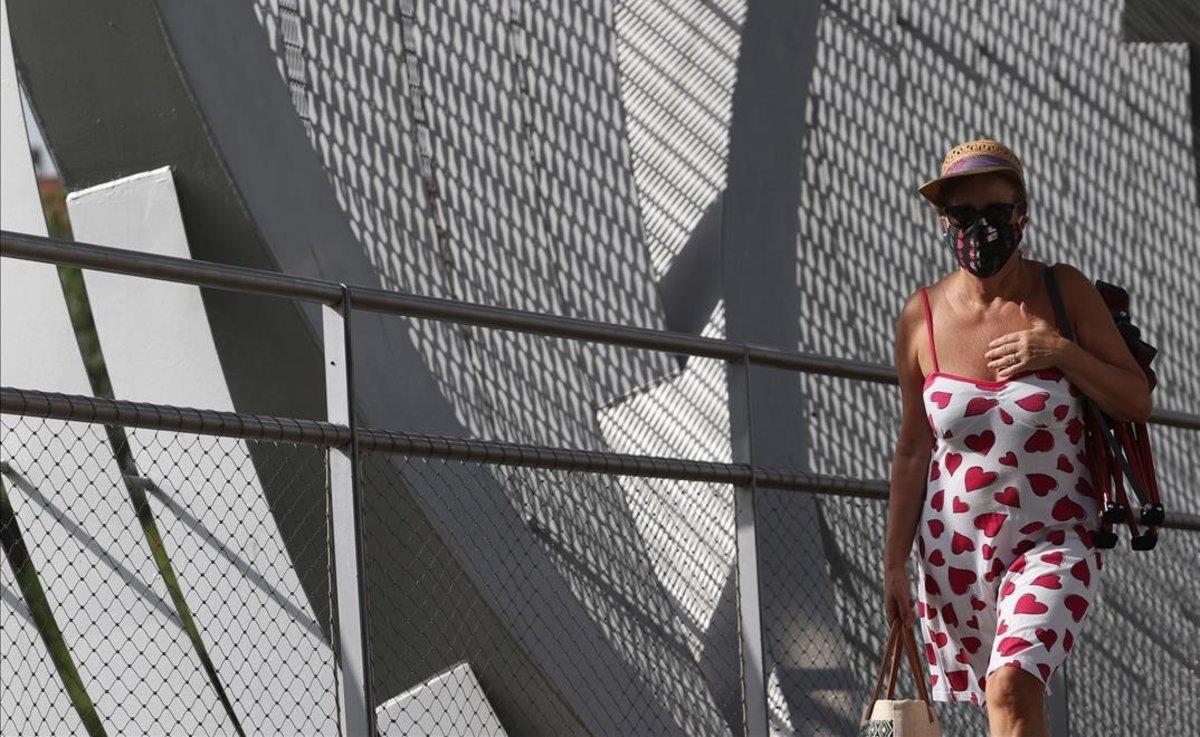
(68, 498)
(229, 554)
(451, 704)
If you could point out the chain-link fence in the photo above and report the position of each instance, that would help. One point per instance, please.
(163, 583)
(174, 570)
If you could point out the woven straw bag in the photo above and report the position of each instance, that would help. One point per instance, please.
(889, 717)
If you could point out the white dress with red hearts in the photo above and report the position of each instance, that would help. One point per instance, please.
(1008, 567)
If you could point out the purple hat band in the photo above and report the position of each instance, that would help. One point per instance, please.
(978, 161)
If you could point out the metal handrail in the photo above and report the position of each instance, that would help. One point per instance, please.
(270, 283)
(101, 410)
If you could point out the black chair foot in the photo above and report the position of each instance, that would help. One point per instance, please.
(1152, 513)
(1113, 512)
(1145, 541)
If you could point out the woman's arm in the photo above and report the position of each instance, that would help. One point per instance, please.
(1097, 361)
(914, 444)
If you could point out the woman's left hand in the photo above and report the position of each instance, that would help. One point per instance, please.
(1036, 348)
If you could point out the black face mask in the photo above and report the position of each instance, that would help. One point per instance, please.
(981, 247)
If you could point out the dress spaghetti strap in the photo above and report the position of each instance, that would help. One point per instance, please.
(929, 328)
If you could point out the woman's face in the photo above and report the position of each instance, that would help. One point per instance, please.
(980, 190)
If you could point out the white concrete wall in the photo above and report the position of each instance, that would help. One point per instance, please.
(218, 528)
(450, 704)
(71, 505)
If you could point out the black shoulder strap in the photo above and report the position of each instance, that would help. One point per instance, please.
(1060, 311)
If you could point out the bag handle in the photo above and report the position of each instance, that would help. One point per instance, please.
(900, 637)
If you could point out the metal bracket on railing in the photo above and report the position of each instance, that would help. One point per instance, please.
(357, 712)
(753, 663)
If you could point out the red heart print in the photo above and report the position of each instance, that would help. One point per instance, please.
(1002, 628)
(941, 638)
(973, 623)
(933, 679)
(1068, 640)
(1008, 588)
(935, 501)
(960, 542)
(979, 405)
(1009, 496)
(997, 568)
(1066, 508)
(1048, 637)
(920, 608)
(1077, 604)
(958, 505)
(1009, 459)
(1041, 483)
(1056, 536)
(1032, 527)
(1086, 536)
(1082, 572)
(962, 657)
(1074, 430)
(958, 679)
(988, 551)
(977, 478)
(936, 526)
(931, 587)
(990, 522)
(1084, 487)
(934, 471)
(1029, 604)
(1018, 564)
(1061, 411)
(948, 615)
(936, 558)
(1022, 546)
(1049, 374)
(1048, 580)
(953, 460)
(931, 655)
(1055, 558)
(977, 604)
(982, 442)
(961, 579)
(971, 643)
(1012, 644)
(1006, 417)
(1044, 670)
(947, 435)
(1064, 464)
(1034, 402)
(941, 399)
(1039, 442)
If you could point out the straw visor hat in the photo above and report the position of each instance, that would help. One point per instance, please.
(980, 156)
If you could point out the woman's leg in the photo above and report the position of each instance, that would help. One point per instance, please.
(1016, 704)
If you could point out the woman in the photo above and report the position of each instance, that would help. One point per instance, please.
(987, 473)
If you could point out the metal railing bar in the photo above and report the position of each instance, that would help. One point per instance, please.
(168, 268)
(77, 408)
(271, 283)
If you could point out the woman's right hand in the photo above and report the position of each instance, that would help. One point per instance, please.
(897, 596)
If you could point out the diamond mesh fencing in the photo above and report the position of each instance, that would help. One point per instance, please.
(646, 664)
(163, 583)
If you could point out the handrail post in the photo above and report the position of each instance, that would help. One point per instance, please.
(754, 690)
(356, 712)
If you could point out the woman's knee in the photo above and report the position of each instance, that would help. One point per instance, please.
(1015, 690)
